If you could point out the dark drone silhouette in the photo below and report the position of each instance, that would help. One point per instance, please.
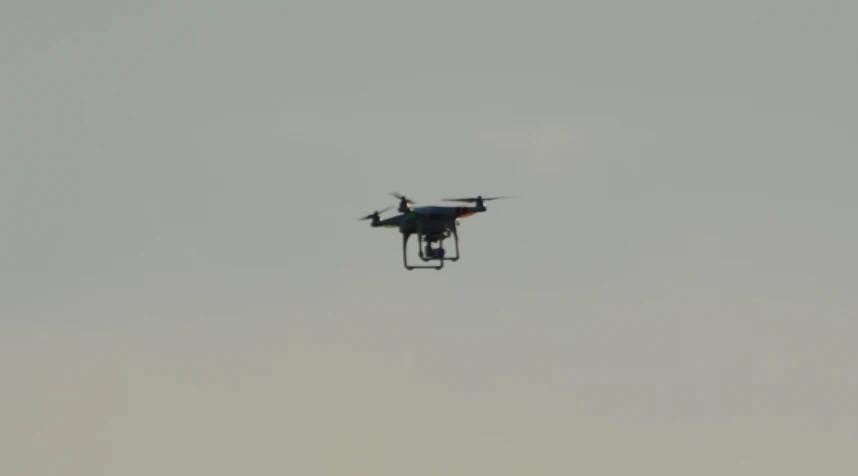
(431, 224)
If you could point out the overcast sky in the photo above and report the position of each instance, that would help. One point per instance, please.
(185, 289)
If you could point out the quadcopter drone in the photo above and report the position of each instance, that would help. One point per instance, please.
(431, 224)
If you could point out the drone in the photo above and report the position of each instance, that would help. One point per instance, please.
(431, 224)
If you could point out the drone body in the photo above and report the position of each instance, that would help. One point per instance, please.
(431, 224)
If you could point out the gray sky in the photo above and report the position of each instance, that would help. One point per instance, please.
(185, 289)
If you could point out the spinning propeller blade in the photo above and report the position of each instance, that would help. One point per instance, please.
(402, 197)
(474, 200)
(375, 214)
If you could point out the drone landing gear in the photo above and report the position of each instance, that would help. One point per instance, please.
(427, 253)
(456, 241)
(405, 237)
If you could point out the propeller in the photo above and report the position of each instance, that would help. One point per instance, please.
(375, 214)
(403, 198)
(404, 202)
(478, 199)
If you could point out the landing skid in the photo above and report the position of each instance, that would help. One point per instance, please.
(420, 240)
(405, 237)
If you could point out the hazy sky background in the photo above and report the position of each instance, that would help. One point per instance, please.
(185, 290)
